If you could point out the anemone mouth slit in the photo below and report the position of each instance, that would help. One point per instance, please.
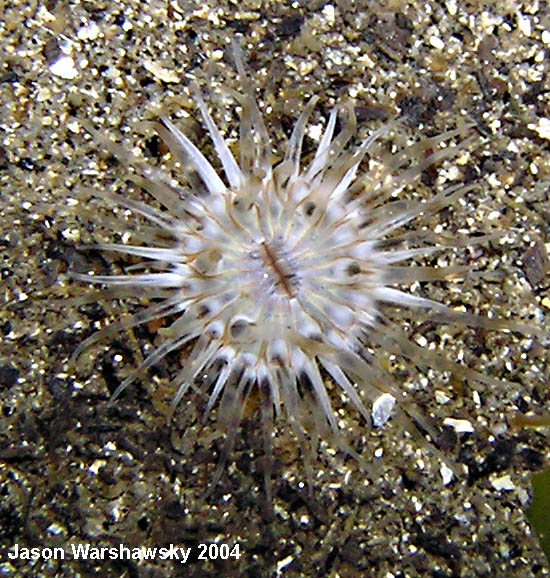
(283, 277)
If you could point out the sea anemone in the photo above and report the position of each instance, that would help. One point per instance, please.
(278, 275)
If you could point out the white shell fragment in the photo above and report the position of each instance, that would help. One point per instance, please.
(160, 73)
(64, 68)
(459, 425)
(446, 474)
(382, 409)
(89, 32)
(503, 483)
(542, 128)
